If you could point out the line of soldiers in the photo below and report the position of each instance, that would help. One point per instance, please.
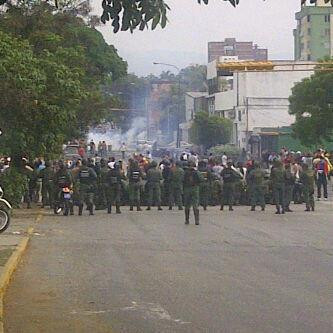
(183, 184)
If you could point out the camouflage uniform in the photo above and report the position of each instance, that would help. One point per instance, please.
(256, 179)
(278, 176)
(176, 186)
(135, 176)
(154, 177)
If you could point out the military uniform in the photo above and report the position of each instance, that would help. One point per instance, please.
(278, 176)
(87, 179)
(191, 183)
(154, 177)
(166, 174)
(307, 178)
(47, 176)
(113, 189)
(135, 176)
(205, 186)
(229, 177)
(256, 185)
(289, 189)
(176, 187)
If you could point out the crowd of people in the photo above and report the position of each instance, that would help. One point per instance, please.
(184, 182)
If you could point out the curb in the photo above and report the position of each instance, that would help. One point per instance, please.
(11, 266)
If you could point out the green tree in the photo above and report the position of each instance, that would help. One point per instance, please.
(311, 103)
(210, 131)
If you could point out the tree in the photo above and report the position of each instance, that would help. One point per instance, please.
(210, 131)
(311, 103)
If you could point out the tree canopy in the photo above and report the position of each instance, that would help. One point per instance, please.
(210, 131)
(312, 104)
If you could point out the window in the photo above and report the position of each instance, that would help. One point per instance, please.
(327, 18)
(309, 18)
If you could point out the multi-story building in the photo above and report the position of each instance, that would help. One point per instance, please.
(313, 36)
(230, 47)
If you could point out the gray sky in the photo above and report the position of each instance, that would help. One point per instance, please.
(183, 42)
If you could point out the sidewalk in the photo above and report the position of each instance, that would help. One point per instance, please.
(13, 243)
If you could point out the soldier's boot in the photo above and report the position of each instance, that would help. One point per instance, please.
(253, 208)
(278, 209)
(196, 215)
(28, 205)
(131, 208)
(262, 208)
(187, 215)
(80, 209)
(205, 207)
(283, 210)
(159, 208)
(222, 207)
(180, 207)
(66, 211)
(170, 207)
(230, 208)
(148, 208)
(71, 209)
(109, 208)
(118, 209)
(138, 208)
(307, 209)
(312, 207)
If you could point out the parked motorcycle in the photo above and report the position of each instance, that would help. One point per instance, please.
(64, 201)
(5, 212)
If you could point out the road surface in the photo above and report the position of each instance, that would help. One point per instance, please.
(147, 272)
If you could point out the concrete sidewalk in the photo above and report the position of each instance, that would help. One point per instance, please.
(13, 243)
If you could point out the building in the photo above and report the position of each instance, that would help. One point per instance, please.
(194, 102)
(257, 99)
(230, 47)
(313, 36)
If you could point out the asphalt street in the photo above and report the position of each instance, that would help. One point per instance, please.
(147, 272)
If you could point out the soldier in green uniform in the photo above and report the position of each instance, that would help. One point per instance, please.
(154, 177)
(176, 186)
(307, 179)
(87, 178)
(103, 183)
(278, 177)
(229, 177)
(205, 185)
(256, 185)
(47, 176)
(191, 183)
(134, 175)
(113, 190)
(289, 188)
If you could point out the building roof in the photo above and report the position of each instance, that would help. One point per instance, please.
(197, 94)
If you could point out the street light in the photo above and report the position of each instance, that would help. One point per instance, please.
(178, 112)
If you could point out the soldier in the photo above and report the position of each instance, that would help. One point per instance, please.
(176, 186)
(63, 179)
(289, 187)
(47, 176)
(166, 174)
(192, 181)
(113, 190)
(205, 185)
(307, 178)
(229, 176)
(154, 177)
(103, 183)
(255, 180)
(135, 176)
(278, 176)
(87, 179)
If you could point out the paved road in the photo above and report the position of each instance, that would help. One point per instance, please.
(148, 272)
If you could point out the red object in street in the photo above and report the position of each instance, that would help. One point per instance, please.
(82, 152)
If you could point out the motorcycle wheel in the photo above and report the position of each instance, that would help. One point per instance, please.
(57, 209)
(4, 220)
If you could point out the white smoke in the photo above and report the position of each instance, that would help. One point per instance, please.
(115, 138)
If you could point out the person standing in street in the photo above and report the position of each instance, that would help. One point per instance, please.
(47, 175)
(322, 170)
(307, 178)
(191, 183)
(205, 185)
(113, 190)
(154, 178)
(123, 150)
(289, 187)
(256, 186)
(87, 178)
(134, 175)
(229, 177)
(278, 177)
(176, 186)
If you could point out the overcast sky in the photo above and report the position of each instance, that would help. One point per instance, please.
(191, 26)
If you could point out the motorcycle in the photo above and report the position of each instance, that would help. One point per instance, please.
(5, 212)
(64, 201)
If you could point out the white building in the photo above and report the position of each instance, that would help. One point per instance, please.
(258, 98)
